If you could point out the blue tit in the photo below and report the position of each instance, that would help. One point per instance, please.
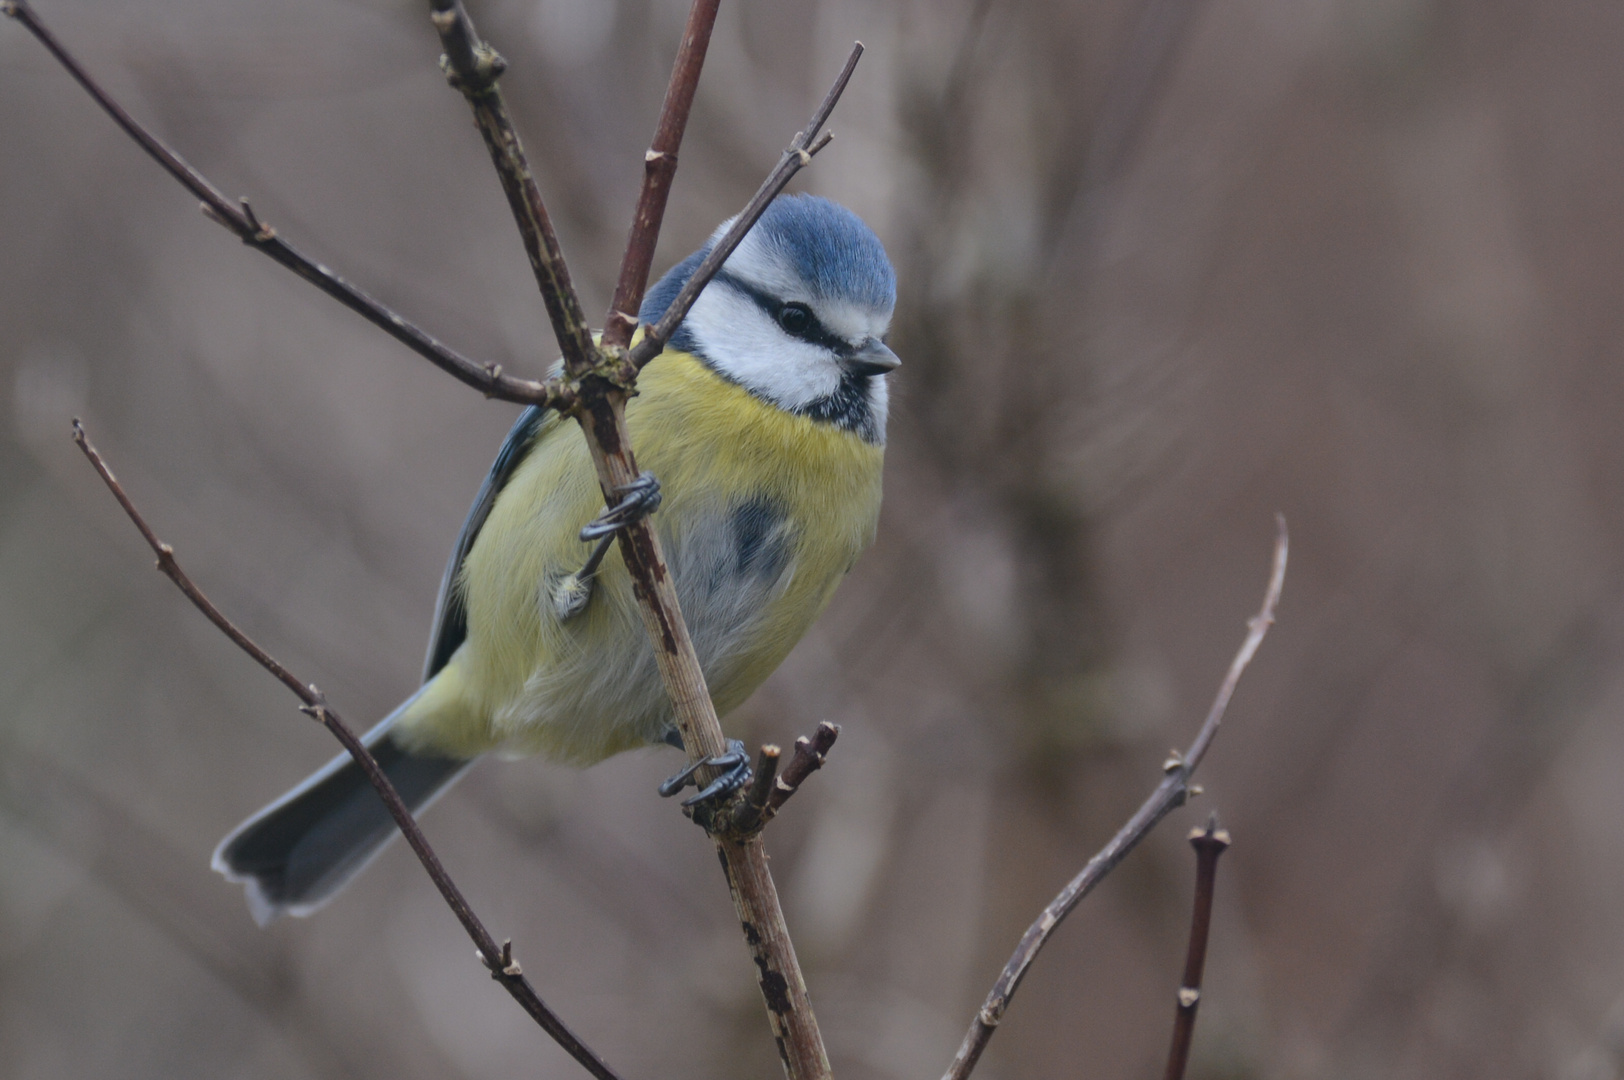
(764, 421)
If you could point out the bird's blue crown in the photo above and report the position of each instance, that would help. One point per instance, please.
(829, 248)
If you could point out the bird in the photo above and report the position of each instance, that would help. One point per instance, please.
(762, 423)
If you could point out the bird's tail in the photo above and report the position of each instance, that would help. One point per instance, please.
(297, 853)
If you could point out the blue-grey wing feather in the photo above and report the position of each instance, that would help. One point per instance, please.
(450, 615)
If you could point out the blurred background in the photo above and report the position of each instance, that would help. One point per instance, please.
(1166, 267)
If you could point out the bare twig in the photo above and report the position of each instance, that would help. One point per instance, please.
(474, 67)
(239, 217)
(497, 959)
(772, 789)
(809, 757)
(1209, 843)
(659, 167)
(796, 157)
(1170, 793)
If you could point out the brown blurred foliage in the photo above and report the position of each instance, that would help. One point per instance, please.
(1356, 260)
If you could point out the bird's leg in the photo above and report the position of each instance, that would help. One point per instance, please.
(736, 763)
(639, 499)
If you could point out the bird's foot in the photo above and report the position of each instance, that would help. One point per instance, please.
(639, 499)
(736, 774)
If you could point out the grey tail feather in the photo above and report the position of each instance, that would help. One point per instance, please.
(297, 853)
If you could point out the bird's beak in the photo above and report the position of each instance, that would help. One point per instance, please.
(874, 358)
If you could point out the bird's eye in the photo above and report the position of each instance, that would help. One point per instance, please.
(796, 318)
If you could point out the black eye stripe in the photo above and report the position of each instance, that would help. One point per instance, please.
(815, 333)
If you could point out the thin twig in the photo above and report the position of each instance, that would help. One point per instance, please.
(659, 167)
(809, 757)
(771, 789)
(497, 959)
(240, 219)
(1209, 843)
(474, 67)
(1170, 793)
(796, 157)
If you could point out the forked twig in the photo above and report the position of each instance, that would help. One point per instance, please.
(772, 789)
(1209, 843)
(1170, 793)
(497, 959)
(810, 753)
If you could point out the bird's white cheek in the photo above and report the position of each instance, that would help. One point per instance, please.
(749, 348)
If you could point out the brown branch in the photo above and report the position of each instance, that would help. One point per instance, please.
(659, 167)
(497, 959)
(473, 67)
(1209, 843)
(1170, 793)
(808, 759)
(240, 219)
(796, 157)
(771, 790)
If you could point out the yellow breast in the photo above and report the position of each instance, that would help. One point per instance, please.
(764, 512)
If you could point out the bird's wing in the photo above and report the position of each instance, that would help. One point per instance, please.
(450, 614)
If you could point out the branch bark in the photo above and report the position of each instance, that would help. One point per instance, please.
(497, 959)
(1172, 792)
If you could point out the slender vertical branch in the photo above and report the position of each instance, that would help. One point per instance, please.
(1172, 792)
(497, 959)
(1209, 843)
(659, 167)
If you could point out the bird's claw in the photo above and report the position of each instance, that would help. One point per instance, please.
(736, 763)
(638, 500)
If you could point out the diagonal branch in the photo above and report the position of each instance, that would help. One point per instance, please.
(497, 959)
(473, 67)
(239, 217)
(1170, 793)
